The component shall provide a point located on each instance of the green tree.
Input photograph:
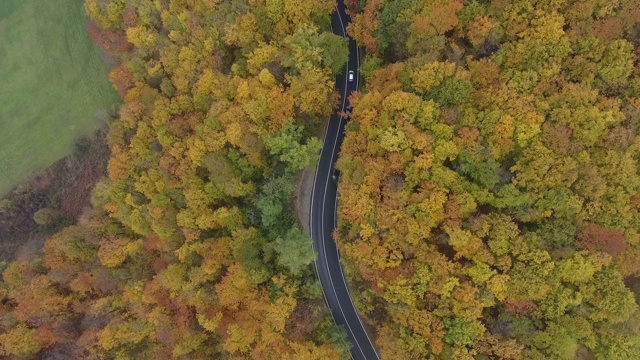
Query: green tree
(286, 144)
(294, 250)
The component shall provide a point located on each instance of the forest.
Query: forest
(488, 202)
(190, 249)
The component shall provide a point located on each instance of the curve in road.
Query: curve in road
(323, 209)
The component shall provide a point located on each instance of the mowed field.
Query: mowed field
(53, 84)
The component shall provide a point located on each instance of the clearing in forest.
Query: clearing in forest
(54, 84)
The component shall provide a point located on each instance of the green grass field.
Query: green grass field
(53, 83)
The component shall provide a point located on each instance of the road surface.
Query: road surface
(323, 209)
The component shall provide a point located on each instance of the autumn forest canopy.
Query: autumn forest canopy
(488, 203)
(190, 250)
(489, 196)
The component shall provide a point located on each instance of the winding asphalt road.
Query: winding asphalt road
(323, 209)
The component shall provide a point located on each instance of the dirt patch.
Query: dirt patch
(64, 187)
(76, 198)
(303, 196)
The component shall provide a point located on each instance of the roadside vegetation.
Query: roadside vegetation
(489, 196)
(54, 85)
(191, 249)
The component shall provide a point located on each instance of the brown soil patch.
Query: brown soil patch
(77, 197)
(303, 196)
(65, 186)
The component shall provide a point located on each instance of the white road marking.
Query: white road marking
(322, 234)
(336, 226)
(324, 248)
(336, 201)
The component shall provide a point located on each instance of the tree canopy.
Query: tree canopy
(191, 250)
(488, 202)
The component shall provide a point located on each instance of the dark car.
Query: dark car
(336, 174)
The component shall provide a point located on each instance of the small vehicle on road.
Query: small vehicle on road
(351, 75)
(336, 175)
